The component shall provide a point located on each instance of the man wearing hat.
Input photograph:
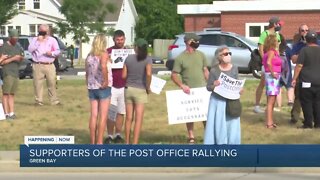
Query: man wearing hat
(13, 55)
(274, 27)
(191, 64)
(307, 71)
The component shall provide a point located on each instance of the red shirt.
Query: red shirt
(118, 82)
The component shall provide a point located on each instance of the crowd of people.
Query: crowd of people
(127, 88)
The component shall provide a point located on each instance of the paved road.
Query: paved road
(159, 176)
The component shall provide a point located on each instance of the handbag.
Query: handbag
(233, 107)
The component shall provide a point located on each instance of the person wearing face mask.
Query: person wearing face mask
(11, 56)
(191, 64)
(44, 50)
(274, 26)
(296, 107)
(221, 128)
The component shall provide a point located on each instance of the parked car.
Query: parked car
(240, 47)
(157, 60)
(63, 62)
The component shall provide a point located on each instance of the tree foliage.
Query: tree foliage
(159, 19)
(83, 17)
(8, 9)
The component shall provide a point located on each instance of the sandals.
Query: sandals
(191, 140)
(271, 126)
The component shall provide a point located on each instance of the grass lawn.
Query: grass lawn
(72, 119)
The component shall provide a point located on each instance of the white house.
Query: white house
(32, 13)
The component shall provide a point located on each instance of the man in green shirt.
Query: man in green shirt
(13, 54)
(274, 27)
(191, 64)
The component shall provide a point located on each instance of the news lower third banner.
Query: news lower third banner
(70, 155)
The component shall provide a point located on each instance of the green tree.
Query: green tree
(8, 9)
(159, 19)
(83, 17)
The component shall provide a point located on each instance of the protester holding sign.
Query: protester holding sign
(137, 72)
(191, 64)
(272, 64)
(99, 82)
(117, 91)
(221, 128)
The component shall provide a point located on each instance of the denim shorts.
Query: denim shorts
(97, 94)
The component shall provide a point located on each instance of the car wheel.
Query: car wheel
(22, 76)
(256, 73)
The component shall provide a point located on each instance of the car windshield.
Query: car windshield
(246, 40)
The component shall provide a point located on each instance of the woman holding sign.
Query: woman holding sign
(137, 71)
(272, 64)
(221, 128)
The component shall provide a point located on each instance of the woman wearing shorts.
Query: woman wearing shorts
(137, 71)
(272, 64)
(99, 82)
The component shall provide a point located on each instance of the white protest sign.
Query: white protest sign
(48, 140)
(118, 56)
(183, 108)
(2, 116)
(229, 87)
(112, 113)
(157, 84)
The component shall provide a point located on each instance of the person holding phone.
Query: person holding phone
(44, 50)
(11, 56)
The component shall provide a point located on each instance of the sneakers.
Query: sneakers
(257, 109)
(277, 109)
(118, 139)
(12, 117)
(56, 103)
(38, 104)
(108, 140)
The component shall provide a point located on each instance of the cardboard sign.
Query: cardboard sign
(2, 116)
(229, 87)
(157, 84)
(183, 108)
(118, 56)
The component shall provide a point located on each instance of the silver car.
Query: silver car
(240, 47)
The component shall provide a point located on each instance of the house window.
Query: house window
(9, 28)
(32, 30)
(36, 4)
(253, 30)
(22, 4)
(2, 30)
(18, 28)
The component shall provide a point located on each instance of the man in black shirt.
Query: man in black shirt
(307, 70)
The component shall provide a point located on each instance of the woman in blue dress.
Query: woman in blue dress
(221, 128)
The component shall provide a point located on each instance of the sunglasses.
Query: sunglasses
(226, 54)
(304, 30)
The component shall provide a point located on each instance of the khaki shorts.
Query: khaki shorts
(135, 95)
(10, 84)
